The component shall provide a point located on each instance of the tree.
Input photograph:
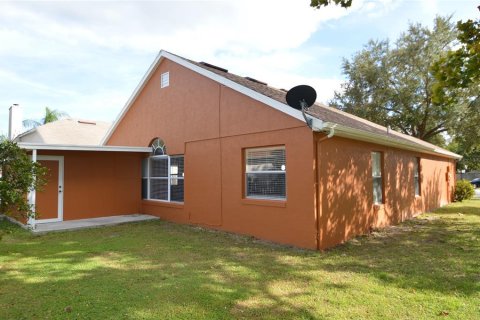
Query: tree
(18, 176)
(458, 81)
(460, 68)
(51, 115)
(319, 3)
(392, 84)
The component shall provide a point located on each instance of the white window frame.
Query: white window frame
(245, 176)
(416, 177)
(165, 79)
(378, 176)
(168, 178)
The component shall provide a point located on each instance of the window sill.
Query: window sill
(378, 206)
(160, 203)
(264, 202)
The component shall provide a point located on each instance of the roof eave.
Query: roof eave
(361, 135)
(66, 147)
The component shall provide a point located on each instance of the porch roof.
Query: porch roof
(65, 147)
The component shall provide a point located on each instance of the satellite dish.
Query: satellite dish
(301, 97)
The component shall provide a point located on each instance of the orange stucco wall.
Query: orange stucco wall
(212, 125)
(99, 184)
(346, 198)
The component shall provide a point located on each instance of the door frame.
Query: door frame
(60, 160)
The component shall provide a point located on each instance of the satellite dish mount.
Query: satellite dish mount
(301, 98)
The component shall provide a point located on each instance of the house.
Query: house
(197, 144)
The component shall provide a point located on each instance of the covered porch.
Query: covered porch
(87, 186)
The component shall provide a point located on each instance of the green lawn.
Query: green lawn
(424, 269)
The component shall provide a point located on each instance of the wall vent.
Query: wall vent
(165, 80)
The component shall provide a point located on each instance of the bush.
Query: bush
(463, 190)
(18, 176)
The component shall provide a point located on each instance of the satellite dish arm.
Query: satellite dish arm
(304, 106)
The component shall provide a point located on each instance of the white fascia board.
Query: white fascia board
(448, 154)
(204, 72)
(64, 147)
(355, 134)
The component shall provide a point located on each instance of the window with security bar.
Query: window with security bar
(265, 173)
(163, 178)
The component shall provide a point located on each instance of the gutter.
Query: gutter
(357, 134)
(66, 147)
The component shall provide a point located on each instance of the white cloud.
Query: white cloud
(86, 58)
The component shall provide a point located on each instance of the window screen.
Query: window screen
(416, 176)
(159, 178)
(265, 173)
(377, 177)
(145, 178)
(162, 178)
(176, 178)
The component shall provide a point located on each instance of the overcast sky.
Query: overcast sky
(86, 58)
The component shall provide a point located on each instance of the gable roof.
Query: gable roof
(341, 123)
(66, 132)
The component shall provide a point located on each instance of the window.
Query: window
(162, 178)
(176, 179)
(165, 80)
(162, 175)
(158, 147)
(416, 176)
(265, 173)
(377, 177)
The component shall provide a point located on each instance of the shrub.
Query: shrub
(463, 190)
(18, 176)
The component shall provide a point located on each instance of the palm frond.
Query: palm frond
(30, 123)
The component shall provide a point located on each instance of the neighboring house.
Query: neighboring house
(196, 144)
(68, 132)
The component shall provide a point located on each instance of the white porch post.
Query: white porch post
(32, 194)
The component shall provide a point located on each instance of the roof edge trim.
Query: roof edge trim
(356, 134)
(66, 147)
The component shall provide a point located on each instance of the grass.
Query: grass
(426, 268)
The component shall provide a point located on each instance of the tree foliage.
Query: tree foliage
(319, 3)
(19, 175)
(51, 115)
(392, 84)
(458, 81)
(460, 68)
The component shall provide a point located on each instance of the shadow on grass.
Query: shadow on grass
(160, 270)
(174, 272)
(435, 252)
